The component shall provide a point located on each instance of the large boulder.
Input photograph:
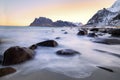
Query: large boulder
(110, 41)
(16, 55)
(48, 43)
(115, 32)
(6, 71)
(67, 52)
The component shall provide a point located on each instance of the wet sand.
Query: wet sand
(44, 74)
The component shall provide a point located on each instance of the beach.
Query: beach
(47, 65)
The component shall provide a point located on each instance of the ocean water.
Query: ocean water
(79, 66)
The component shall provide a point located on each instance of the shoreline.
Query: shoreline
(44, 74)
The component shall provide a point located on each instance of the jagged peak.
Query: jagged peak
(115, 7)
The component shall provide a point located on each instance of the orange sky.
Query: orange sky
(22, 14)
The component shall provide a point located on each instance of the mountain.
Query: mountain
(43, 21)
(107, 17)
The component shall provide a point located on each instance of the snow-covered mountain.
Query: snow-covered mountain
(115, 7)
(107, 17)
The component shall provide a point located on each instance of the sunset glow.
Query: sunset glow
(23, 12)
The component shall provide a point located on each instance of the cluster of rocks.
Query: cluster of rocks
(16, 55)
(83, 32)
(95, 33)
(42, 21)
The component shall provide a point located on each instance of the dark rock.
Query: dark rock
(115, 32)
(94, 29)
(65, 32)
(6, 71)
(57, 38)
(62, 30)
(48, 43)
(67, 52)
(1, 59)
(107, 69)
(92, 35)
(81, 33)
(16, 55)
(109, 41)
(33, 47)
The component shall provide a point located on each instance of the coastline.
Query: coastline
(44, 74)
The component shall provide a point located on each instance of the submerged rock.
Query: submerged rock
(16, 55)
(104, 68)
(110, 41)
(57, 38)
(67, 52)
(65, 32)
(48, 43)
(6, 71)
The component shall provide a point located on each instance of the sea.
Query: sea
(78, 66)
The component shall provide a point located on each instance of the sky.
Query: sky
(23, 12)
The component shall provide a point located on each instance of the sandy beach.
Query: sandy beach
(44, 74)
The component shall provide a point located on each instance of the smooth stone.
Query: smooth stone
(67, 52)
(6, 71)
(16, 55)
(48, 43)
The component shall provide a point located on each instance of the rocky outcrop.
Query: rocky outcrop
(106, 17)
(48, 43)
(42, 21)
(67, 52)
(16, 55)
(102, 18)
(6, 71)
(115, 32)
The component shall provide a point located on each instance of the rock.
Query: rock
(57, 38)
(16, 55)
(110, 41)
(81, 33)
(33, 47)
(67, 52)
(94, 29)
(48, 43)
(65, 32)
(92, 35)
(115, 32)
(1, 59)
(6, 71)
(104, 68)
